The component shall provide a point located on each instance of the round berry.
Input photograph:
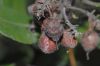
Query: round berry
(46, 45)
(89, 40)
(68, 40)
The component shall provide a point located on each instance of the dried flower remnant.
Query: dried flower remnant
(53, 28)
(36, 8)
(32, 9)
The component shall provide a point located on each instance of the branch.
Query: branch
(73, 27)
(89, 14)
(88, 2)
(43, 7)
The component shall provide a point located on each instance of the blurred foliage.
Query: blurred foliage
(14, 21)
(9, 65)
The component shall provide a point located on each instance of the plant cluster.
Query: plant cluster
(56, 28)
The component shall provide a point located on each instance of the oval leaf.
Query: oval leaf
(14, 21)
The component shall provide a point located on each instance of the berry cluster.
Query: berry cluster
(53, 18)
(51, 21)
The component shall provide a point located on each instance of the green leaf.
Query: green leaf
(98, 44)
(82, 29)
(64, 60)
(63, 57)
(14, 21)
(8, 65)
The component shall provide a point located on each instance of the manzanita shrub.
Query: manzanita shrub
(56, 28)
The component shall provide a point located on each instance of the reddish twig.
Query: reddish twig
(72, 57)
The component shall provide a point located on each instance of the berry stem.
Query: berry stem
(73, 27)
(85, 12)
(72, 57)
(87, 55)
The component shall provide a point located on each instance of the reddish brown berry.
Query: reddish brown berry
(68, 40)
(53, 28)
(89, 41)
(46, 45)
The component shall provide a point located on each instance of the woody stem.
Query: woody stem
(72, 57)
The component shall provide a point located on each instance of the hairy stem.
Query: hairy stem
(73, 27)
(85, 12)
(88, 14)
(88, 2)
(72, 57)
